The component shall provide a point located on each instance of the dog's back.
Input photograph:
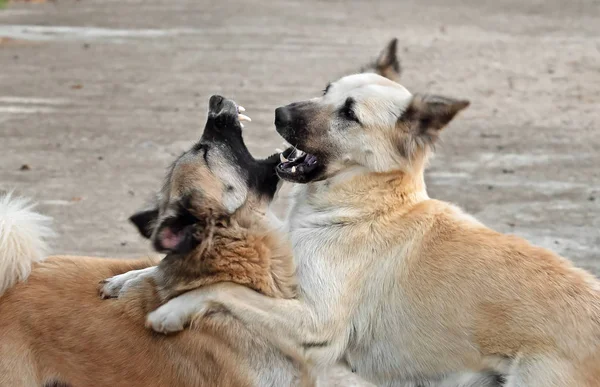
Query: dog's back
(56, 329)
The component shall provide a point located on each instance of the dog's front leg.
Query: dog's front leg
(290, 320)
(237, 300)
(115, 286)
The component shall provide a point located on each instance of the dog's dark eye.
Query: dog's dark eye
(347, 111)
(326, 88)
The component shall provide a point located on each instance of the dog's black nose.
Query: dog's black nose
(282, 116)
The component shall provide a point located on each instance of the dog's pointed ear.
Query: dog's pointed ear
(428, 114)
(145, 221)
(387, 64)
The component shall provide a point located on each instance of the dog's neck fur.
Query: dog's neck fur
(256, 219)
(397, 191)
(245, 250)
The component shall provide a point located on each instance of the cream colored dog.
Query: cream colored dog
(403, 287)
(54, 330)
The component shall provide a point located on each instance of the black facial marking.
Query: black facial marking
(197, 147)
(224, 130)
(327, 88)
(347, 111)
(293, 123)
(263, 177)
(222, 133)
(499, 380)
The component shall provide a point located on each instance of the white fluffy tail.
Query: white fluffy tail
(24, 236)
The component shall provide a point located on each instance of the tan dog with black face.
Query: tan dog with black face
(212, 221)
(212, 217)
(403, 287)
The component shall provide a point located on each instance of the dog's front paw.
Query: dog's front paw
(109, 288)
(178, 312)
(165, 321)
(114, 286)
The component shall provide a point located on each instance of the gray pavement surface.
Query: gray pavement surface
(98, 96)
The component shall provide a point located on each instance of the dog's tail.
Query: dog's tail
(24, 235)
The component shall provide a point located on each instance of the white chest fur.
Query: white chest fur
(352, 281)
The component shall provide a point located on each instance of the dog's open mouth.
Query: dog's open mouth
(299, 166)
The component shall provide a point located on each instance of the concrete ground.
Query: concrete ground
(98, 96)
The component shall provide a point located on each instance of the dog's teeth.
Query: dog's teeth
(243, 117)
(278, 150)
(299, 153)
(282, 158)
(294, 169)
(241, 109)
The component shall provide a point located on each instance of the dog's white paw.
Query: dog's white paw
(114, 286)
(167, 319)
(178, 312)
